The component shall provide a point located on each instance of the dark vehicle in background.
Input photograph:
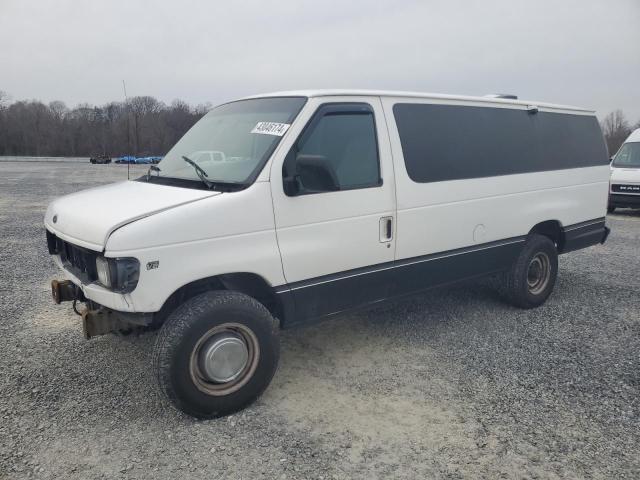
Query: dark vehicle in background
(100, 159)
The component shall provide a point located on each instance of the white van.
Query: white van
(313, 203)
(624, 189)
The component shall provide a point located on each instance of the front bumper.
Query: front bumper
(97, 319)
(624, 200)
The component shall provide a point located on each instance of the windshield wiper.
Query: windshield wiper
(213, 184)
(202, 175)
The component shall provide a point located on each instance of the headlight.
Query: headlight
(104, 273)
(118, 274)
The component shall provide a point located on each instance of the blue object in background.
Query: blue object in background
(138, 160)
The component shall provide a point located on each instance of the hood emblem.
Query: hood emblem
(55, 218)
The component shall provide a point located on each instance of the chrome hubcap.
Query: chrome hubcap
(223, 357)
(538, 273)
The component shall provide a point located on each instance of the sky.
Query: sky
(576, 52)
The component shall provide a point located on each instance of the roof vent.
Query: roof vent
(508, 96)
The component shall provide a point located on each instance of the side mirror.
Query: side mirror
(314, 174)
(611, 159)
(291, 186)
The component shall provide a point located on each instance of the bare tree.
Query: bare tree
(616, 129)
(203, 108)
(58, 109)
(141, 109)
(3, 128)
(4, 99)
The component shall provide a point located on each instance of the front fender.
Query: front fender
(228, 233)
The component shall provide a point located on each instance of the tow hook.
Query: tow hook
(65, 291)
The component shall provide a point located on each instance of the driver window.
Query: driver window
(337, 151)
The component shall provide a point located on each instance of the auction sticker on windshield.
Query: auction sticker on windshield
(270, 128)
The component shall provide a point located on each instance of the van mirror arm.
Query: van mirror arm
(292, 185)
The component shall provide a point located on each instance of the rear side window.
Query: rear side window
(449, 142)
(342, 137)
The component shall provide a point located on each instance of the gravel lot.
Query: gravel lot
(448, 384)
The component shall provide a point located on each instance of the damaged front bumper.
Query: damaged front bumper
(98, 319)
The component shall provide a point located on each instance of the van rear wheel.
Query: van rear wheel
(532, 277)
(216, 353)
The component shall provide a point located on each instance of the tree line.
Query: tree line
(140, 126)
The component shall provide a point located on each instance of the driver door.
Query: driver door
(334, 204)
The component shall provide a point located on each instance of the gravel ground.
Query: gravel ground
(448, 384)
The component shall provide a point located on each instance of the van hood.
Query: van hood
(625, 175)
(87, 218)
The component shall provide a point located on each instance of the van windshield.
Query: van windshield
(232, 142)
(628, 156)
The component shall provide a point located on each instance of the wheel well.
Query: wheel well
(248, 283)
(552, 230)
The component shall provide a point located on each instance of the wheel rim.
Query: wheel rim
(224, 359)
(538, 273)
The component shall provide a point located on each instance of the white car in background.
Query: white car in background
(624, 185)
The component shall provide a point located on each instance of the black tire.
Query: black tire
(177, 345)
(611, 209)
(522, 287)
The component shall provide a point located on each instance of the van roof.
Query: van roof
(634, 137)
(435, 96)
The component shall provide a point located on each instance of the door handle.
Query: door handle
(386, 229)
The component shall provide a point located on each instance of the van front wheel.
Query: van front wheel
(532, 277)
(216, 353)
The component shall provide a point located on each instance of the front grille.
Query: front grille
(79, 261)
(621, 188)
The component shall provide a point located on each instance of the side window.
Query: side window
(453, 142)
(337, 151)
